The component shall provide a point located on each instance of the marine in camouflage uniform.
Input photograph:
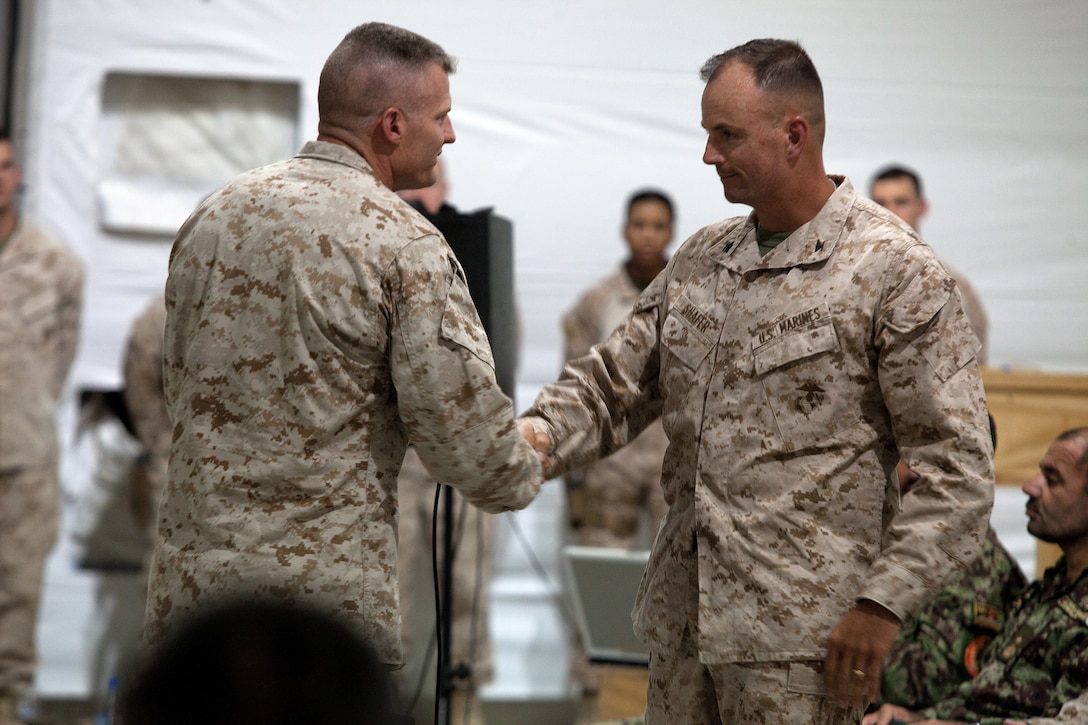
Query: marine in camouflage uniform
(941, 646)
(315, 325)
(146, 404)
(788, 384)
(616, 490)
(41, 287)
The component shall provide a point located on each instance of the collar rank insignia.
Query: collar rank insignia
(1073, 610)
(1023, 636)
(986, 616)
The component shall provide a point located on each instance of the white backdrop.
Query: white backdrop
(563, 107)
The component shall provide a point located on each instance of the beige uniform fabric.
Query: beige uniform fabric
(788, 386)
(618, 489)
(315, 325)
(146, 403)
(41, 286)
(976, 314)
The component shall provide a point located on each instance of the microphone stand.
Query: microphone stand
(447, 673)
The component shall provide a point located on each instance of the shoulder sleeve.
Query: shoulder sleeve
(460, 421)
(932, 389)
(606, 398)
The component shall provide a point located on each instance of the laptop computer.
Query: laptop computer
(603, 583)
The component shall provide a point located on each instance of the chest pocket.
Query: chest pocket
(798, 370)
(682, 338)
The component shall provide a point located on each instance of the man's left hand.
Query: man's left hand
(856, 651)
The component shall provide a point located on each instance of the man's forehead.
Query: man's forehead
(899, 188)
(1064, 454)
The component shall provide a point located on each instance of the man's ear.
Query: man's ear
(796, 136)
(392, 125)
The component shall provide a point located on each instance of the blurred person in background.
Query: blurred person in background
(41, 288)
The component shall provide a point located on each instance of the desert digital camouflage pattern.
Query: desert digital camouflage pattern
(941, 646)
(41, 287)
(616, 489)
(315, 324)
(788, 386)
(1038, 661)
(976, 313)
(144, 397)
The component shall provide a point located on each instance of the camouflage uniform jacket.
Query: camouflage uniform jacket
(1036, 663)
(784, 383)
(315, 324)
(41, 288)
(596, 313)
(940, 646)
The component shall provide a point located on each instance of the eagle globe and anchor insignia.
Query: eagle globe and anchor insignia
(812, 396)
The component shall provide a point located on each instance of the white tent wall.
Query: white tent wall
(562, 108)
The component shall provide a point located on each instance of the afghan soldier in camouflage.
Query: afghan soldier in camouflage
(941, 645)
(315, 325)
(1038, 662)
(793, 356)
(41, 288)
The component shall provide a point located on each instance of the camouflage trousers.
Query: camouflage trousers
(473, 538)
(29, 502)
(684, 691)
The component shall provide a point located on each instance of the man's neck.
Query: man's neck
(798, 205)
(643, 274)
(1076, 559)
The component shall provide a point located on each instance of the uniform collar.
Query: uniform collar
(810, 243)
(336, 153)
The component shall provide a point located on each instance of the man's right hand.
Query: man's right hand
(541, 443)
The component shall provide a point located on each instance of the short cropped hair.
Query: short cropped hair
(1081, 436)
(896, 171)
(780, 67)
(650, 195)
(375, 67)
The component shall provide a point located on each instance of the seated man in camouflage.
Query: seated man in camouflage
(939, 647)
(1039, 659)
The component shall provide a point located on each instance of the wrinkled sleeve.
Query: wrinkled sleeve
(1073, 712)
(459, 420)
(607, 397)
(932, 388)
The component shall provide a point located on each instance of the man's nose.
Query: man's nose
(1033, 486)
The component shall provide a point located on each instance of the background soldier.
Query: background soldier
(41, 287)
(1039, 659)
